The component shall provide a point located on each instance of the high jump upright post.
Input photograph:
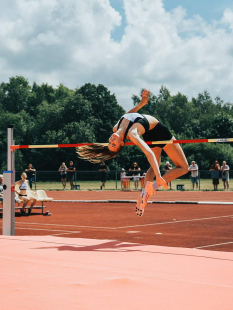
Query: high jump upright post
(9, 188)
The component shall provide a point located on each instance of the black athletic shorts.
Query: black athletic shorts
(71, 176)
(159, 133)
(63, 176)
(103, 176)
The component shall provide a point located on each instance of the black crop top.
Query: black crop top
(133, 119)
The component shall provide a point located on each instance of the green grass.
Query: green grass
(205, 184)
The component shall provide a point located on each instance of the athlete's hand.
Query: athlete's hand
(161, 182)
(145, 97)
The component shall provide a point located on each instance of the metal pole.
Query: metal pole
(199, 174)
(9, 187)
(35, 180)
(116, 179)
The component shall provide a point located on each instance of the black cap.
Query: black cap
(10, 126)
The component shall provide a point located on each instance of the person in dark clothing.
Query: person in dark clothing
(215, 168)
(103, 176)
(30, 174)
(70, 173)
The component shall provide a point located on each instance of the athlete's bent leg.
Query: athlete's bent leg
(141, 203)
(176, 154)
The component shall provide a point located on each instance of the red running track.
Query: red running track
(178, 225)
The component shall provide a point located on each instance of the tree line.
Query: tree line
(43, 114)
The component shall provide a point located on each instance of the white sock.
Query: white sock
(155, 186)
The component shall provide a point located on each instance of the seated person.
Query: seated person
(1, 191)
(23, 194)
(17, 199)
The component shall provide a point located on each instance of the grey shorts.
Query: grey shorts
(194, 180)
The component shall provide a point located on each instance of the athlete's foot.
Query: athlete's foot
(139, 211)
(149, 191)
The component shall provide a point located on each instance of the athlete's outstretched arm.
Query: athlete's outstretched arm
(142, 103)
(135, 138)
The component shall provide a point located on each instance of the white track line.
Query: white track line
(65, 231)
(174, 222)
(60, 234)
(150, 202)
(132, 226)
(212, 245)
(62, 225)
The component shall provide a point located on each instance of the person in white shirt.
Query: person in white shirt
(194, 173)
(122, 176)
(225, 175)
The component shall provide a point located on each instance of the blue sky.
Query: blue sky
(207, 9)
(186, 46)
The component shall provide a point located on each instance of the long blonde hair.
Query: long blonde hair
(96, 153)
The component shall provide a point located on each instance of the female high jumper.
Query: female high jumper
(131, 126)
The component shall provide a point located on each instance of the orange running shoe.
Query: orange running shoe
(138, 205)
(149, 191)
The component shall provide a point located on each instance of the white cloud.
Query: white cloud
(69, 42)
(228, 18)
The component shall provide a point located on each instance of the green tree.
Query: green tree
(15, 95)
(105, 109)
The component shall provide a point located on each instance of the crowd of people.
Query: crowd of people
(134, 172)
(216, 170)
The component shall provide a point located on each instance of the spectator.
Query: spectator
(225, 175)
(1, 191)
(143, 180)
(166, 168)
(103, 176)
(23, 194)
(17, 199)
(215, 174)
(71, 169)
(194, 174)
(135, 175)
(122, 175)
(31, 174)
(1, 187)
(63, 173)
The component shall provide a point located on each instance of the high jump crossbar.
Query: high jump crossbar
(48, 146)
